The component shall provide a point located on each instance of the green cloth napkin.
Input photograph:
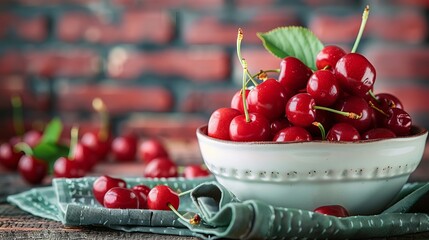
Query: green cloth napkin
(223, 216)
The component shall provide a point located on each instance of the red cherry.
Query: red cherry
(268, 99)
(101, 147)
(356, 105)
(218, 125)
(388, 101)
(278, 125)
(294, 74)
(237, 100)
(342, 132)
(257, 129)
(355, 74)
(323, 87)
(84, 156)
(32, 138)
(151, 149)
(399, 121)
(378, 133)
(66, 168)
(103, 184)
(124, 148)
(195, 171)
(293, 134)
(141, 191)
(329, 56)
(162, 167)
(333, 210)
(9, 157)
(160, 196)
(122, 198)
(33, 170)
(300, 110)
(325, 118)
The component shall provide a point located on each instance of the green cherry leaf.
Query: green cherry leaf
(293, 41)
(50, 152)
(52, 131)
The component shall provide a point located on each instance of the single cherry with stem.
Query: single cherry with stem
(237, 100)
(150, 149)
(399, 121)
(9, 156)
(124, 148)
(32, 169)
(355, 104)
(328, 57)
(219, 121)
(141, 191)
(103, 184)
(121, 198)
(294, 74)
(162, 167)
(323, 87)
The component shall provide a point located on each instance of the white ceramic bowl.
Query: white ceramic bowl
(362, 176)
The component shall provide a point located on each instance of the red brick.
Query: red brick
(33, 29)
(7, 22)
(242, 4)
(198, 64)
(332, 29)
(11, 62)
(417, 3)
(118, 99)
(402, 26)
(45, 3)
(413, 97)
(71, 26)
(399, 62)
(170, 4)
(207, 101)
(176, 126)
(210, 29)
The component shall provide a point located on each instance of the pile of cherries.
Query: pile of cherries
(336, 102)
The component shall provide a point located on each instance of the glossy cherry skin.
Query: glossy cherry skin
(195, 171)
(333, 210)
(9, 158)
(101, 147)
(378, 133)
(399, 121)
(160, 196)
(257, 129)
(269, 99)
(342, 132)
(32, 137)
(278, 125)
(323, 87)
(120, 197)
(355, 74)
(219, 121)
(293, 134)
(84, 156)
(294, 74)
(124, 148)
(356, 105)
(150, 149)
(141, 191)
(329, 56)
(387, 100)
(325, 118)
(300, 111)
(237, 100)
(103, 184)
(66, 168)
(33, 170)
(162, 167)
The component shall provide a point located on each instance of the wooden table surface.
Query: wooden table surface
(18, 224)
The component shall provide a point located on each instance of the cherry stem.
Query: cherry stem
(18, 122)
(321, 128)
(371, 93)
(346, 114)
(377, 109)
(264, 73)
(23, 147)
(243, 91)
(74, 134)
(240, 36)
(101, 108)
(194, 221)
(185, 192)
(362, 27)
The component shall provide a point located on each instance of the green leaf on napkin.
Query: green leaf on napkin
(293, 41)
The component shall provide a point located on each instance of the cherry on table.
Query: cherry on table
(141, 191)
(100, 147)
(33, 170)
(103, 183)
(9, 157)
(333, 210)
(293, 134)
(121, 197)
(195, 171)
(68, 168)
(150, 149)
(343, 132)
(256, 129)
(162, 167)
(84, 156)
(294, 74)
(328, 57)
(219, 121)
(124, 148)
(161, 196)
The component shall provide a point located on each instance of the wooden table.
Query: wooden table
(18, 224)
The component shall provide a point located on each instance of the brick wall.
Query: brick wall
(162, 66)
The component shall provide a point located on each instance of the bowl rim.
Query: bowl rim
(417, 132)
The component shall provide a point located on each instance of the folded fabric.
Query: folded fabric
(223, 216)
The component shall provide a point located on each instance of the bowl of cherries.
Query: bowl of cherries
(314, 136)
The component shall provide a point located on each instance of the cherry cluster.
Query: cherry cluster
(335, 102)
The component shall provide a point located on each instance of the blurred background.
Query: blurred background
(162, 66)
